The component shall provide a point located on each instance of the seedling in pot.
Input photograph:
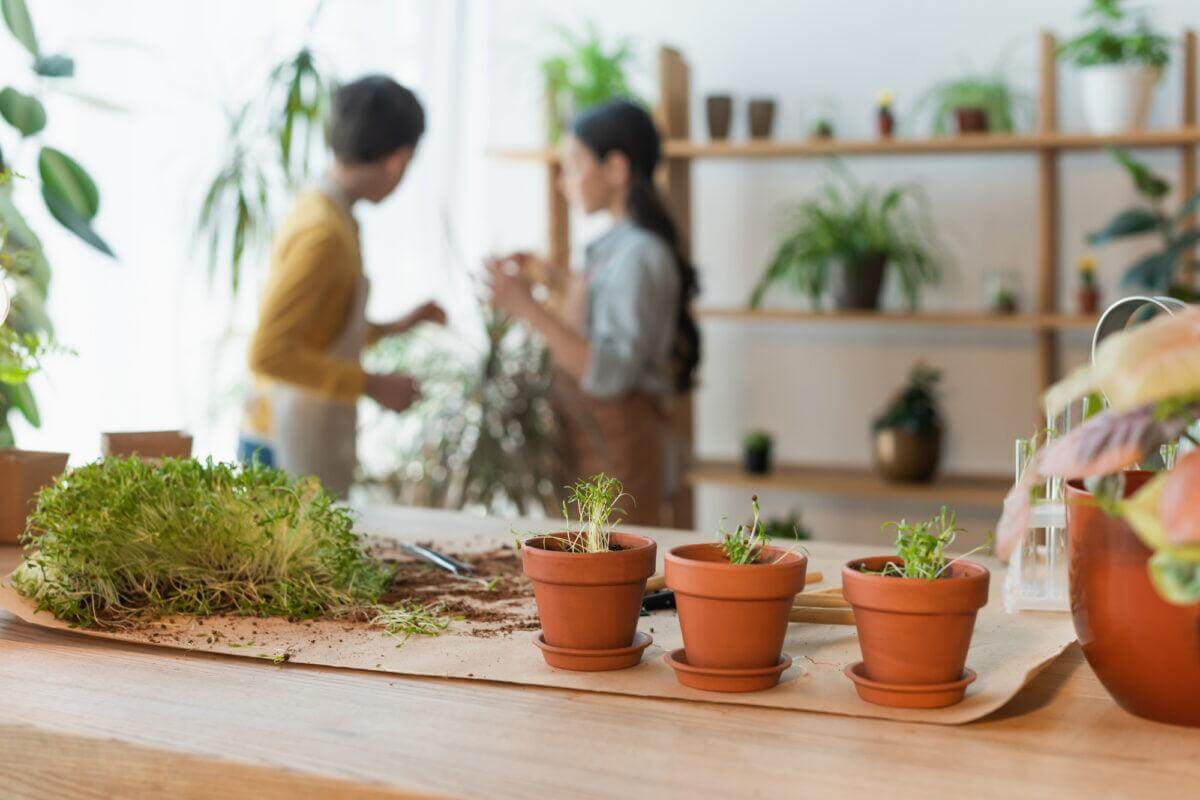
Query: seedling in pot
(745, 544)
(922, 546)
(596, 502)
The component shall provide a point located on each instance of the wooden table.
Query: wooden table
(80, 717)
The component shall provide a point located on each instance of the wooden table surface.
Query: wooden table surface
(80, 717)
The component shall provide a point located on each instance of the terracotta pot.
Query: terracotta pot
(1087, 298)
(718, 108)
(147, 444)
(856, 287)
(906, 457)
(914, 631)
(23, 473)
(589, 601)
(762, 118)
(733, 616)
(1144, 650)
(757, 460)
(886, 122)
(971, 120)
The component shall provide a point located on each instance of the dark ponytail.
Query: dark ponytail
(620, 126)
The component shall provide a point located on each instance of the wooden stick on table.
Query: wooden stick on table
(657, 583)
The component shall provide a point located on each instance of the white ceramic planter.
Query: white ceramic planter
(1116, 97)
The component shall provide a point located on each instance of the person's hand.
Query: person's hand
(429, 312)
(510, 290)
(392, 390)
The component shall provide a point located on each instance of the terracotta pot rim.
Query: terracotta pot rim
(789, 559)
(1076, 484)
(19, 454)
(972, 571)
(636, 541)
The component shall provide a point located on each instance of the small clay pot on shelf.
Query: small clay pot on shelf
(762, 118)
(1087, 299)
(886, 122)
(971, 120)
(718, 110)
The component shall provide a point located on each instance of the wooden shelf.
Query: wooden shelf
(976, 143)
(966, 491)
(1021, 322)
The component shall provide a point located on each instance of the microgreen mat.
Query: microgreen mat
(122, 542)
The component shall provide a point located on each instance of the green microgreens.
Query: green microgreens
(922, 546)
(595, 500)
(745, 543)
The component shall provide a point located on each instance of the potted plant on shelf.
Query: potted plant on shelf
(822, 128)
(1120, 60)
(588, 582)
(1087, 295)
(885, 120)
(908, 432)
(915, 614)
(846, 237)
(734, 597)
(756, 452)
(976, 104)
(789, 527)
(1158, 271)
(583, 74)
(1133, 535)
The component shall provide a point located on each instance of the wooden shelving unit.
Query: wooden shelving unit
(862, 484)
(931, 319)
(1045, 321)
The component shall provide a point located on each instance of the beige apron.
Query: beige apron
(623, 437)
(311, 435)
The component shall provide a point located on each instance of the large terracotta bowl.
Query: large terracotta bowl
(1145, 650)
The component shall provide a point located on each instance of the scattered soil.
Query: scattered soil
(497, 602)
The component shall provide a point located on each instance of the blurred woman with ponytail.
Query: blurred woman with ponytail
(626, 341)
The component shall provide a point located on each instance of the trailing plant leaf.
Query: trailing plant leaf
(16, 17)
(1145, 180)
(1004, 106)
(1130, 222)
(54, 66)
(23, 112)
(123, 542)
(67, 215)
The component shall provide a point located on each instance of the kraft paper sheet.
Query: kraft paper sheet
(1007, 650)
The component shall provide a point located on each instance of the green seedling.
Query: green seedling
(744, 545)
(922, 546)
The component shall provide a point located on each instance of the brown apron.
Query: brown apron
(624, 437)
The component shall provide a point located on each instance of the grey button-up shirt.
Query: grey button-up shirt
(632, 305)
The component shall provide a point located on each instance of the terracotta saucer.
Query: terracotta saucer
(725, 680)
(898, 695)
(580, 660)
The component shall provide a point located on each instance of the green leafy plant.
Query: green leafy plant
(1159, 270)
(849, 225)
(757, 440)
(69, 194)
(582, 75)
(484, 433)
(1003, 105)
(915, 407)
(596, 501)
(922, 547)
(745, 543)
(121, 542)
(271, 138)
(1116, 37)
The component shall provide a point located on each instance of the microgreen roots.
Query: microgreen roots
(745, 544)
(122, 541)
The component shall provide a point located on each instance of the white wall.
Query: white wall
(817, 387)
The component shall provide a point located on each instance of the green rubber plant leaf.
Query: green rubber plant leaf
(71, 196)
(24, 112)
(55, 66)
(1144, 179)
(1130, 222)
(21, 398)
(16, 17)
(62, 210)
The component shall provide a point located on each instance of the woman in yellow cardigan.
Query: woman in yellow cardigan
(312, 328)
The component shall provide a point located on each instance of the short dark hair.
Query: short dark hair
(373, 117)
